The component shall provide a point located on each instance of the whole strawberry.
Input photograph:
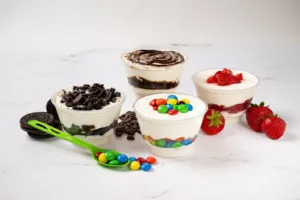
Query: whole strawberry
(255, 115)
(213, 122)
(274, 127)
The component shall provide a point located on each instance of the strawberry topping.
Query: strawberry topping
(225, 77)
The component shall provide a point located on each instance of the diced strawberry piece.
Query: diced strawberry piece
(227, 71)
(218, 72)
(239, 76)
(211, 79)
(222, 79)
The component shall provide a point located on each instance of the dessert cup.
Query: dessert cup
(169, 135)
(93, 126)
(232, 100)
(153, 71)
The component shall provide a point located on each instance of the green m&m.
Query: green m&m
(175, 107)
(183, 108)
(161, 143)
(162, 109)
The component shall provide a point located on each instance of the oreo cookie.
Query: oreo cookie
(40, 116)
(51, 109)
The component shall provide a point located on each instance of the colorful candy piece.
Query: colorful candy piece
(98, 154)
(186, 142)
(175, 107)
(110, 155)
(172, 101)
(141, 160)
(176, 144)
(102, 158)
(183, 108)
(151, 160)
(169, 106)
(161, 143)
(179, 139)
(172, 112)
(153, 102)
(161, 101)
(190, 107)
(122, 158)
(146, 167)
(162, 109)
(155, 107)
(185, 101)
(114, 162)
(172, 97)
(135, 165)
(181, 102)
(153, 142)
(169, 144)
(132, 159)
(168, 139)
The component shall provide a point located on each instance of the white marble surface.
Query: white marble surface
(236, 164)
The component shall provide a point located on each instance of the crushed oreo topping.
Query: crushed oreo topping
(128, 125)
(88, 97)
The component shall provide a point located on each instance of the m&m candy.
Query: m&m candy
(172, 101)
(110, 155)
(172, 112)
(162, 109)
(141, 160)
(161, 102)
(161, 143)
(135, 165)
(151, 160)
(172, 97)
(190, 107)
(114, 162)
(176, 144)
(155, 107)
(153, 102)
(146, 167)
(98, 154)
(185, 101)
(175, 107)
(183, 108)
(132, 159)
(169, 106)
(122, 158)
(102, 158)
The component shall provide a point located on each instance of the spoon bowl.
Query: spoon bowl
(65, 136)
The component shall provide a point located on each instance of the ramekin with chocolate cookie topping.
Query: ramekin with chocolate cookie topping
(89, 112)
(151, 71)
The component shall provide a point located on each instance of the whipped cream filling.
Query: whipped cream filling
(142, 106)
(249, 80)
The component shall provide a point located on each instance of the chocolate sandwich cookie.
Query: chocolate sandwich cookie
(51, 109)
(40, 116)
(143, 83)
(128, 125)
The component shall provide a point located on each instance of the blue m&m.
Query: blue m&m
(172, 97)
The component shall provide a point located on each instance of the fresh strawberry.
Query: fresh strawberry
(274, 127)
(227, 71)
(239, 76)
(211, 79)
(255, 115)
(213, 122)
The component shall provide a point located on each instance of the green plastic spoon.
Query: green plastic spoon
(65, 136)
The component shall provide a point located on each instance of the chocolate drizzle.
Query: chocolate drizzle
(155, 58)
(143, 83)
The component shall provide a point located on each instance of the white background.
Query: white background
(75, 24)
(49, 45)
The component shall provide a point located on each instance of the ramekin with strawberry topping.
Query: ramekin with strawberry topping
(225, 90)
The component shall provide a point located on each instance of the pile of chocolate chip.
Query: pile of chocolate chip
(128, 125)
(88, 97)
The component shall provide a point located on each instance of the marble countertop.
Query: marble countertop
(235, 164)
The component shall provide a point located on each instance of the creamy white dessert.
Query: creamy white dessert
(169, 135)
(94, 126)
(154, 71)
(232, 100)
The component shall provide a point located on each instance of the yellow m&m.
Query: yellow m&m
(135, 165)
(185, 101)
(102, 158)
(172, 101)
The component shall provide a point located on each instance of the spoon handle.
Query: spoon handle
(60, 134)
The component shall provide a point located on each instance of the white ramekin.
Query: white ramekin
(106, 117)
(157, 126)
